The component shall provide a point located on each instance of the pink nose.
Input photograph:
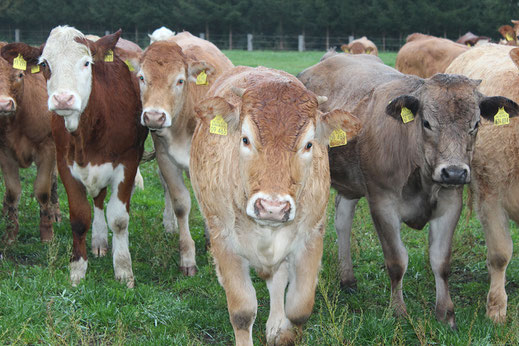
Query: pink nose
(7, 105)
(154, 120)
(63, 100)
(266, 209)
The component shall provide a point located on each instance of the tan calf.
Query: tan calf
(168, 72)
(25, 137)
(360, 46)
(259, 168)
(495, 171)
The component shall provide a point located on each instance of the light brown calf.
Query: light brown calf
(495, 172)
(425, 55)
(262, 183)
(168, 73)
(25, 137)
(360, 46)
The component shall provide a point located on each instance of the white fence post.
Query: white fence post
(249, 42)
(350, 38)
(16, 35)
(301, 43)
(202, 36)
(107, 32)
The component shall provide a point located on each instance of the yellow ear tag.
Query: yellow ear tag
(201, 79)
(129, 64)
(501, 117)
(346, 50)
(35, 69)
(218, 126)
(407, 115)
(338, 138)
(469, 45)
(19, 63)
(109, 56)
(509, 37)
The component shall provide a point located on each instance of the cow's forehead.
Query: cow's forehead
(163, 55)
(62, 45)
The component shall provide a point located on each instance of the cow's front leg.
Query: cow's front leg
(499, 253)
(181, 201)
(118, 220)
(13, 189)
(99, 228)
(234, 275)
(387, 223)
(278, 325)
(344, 213)
(169, 221)
(300, 297)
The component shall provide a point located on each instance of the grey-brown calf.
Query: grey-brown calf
(410, 172)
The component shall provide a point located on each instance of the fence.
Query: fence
(238, 41)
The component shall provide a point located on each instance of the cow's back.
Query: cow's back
(425, 55)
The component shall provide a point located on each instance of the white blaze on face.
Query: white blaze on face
(70, 82)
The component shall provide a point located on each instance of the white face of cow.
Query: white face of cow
(70, 81)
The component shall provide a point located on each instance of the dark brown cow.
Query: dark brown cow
(99, 141)
(25, 137)
(509, 35)
(411, 159)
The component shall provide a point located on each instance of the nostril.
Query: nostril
(146, 117)
(445, 174)
(163, 118)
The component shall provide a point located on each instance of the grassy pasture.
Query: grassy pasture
(39, 306)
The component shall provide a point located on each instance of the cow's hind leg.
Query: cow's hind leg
(99, 228)
(118, 220)
(344, 213)
(499, 252)
(233, 275)
(169, 220)
(54, 197)
(13, 189)
(42, 190)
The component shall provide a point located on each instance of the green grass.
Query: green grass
(39, 306)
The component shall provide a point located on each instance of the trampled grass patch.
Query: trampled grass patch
(39, 306)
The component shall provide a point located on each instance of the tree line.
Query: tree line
(375, 18)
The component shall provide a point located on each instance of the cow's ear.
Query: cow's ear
(131, 58)
(30, 54)
(102, 47)
(489, 107)
(210, 108)
(195, 67)
(403, 108)
(337, 122)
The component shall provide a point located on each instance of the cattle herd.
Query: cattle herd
(262, 149)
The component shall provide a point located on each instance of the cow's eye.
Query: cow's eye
(87, 63)
(141, 77)
(245, 140)
(308, 145)
(43, 64)
(426, 125)
(20, 75)
(180, 82)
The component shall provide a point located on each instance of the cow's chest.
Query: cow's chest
(97, 177)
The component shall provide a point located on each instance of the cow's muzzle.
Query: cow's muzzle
(452, 174)
(269, 209)
(7, 106)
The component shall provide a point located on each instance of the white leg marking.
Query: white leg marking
(99, 233)
(77, 271)
(277, 322)
(169, 220)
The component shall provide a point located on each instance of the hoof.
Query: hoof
(126, 279)
(78, 271)
(497, 313)
(349, 286)
(188, 271)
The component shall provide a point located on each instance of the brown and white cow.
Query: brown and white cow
(425, 55)
(262, 183)
(410, 160)
(168, 72)
(99, 140)
(509, 35)
(360, 46)
(495, 170)
(25, 137)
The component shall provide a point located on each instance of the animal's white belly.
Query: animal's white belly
(97, 177)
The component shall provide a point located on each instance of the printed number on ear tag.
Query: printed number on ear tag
(201, 79)
(19, 63)
(407, 115)
(501, 117)
(218, 126)
(109, 56)
(35, 69)
(129, 64)
(338, 138)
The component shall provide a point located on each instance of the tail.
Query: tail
(139, 180)
(148, 156)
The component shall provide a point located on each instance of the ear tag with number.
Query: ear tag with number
(218, 126)
(509, 37)
(407, 115)
(201, 79)
(129, 64)
(35, 69)
(338, 138)
(501, 117)
(109, 56)
(19, 63)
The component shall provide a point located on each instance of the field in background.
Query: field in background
(39, 306)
